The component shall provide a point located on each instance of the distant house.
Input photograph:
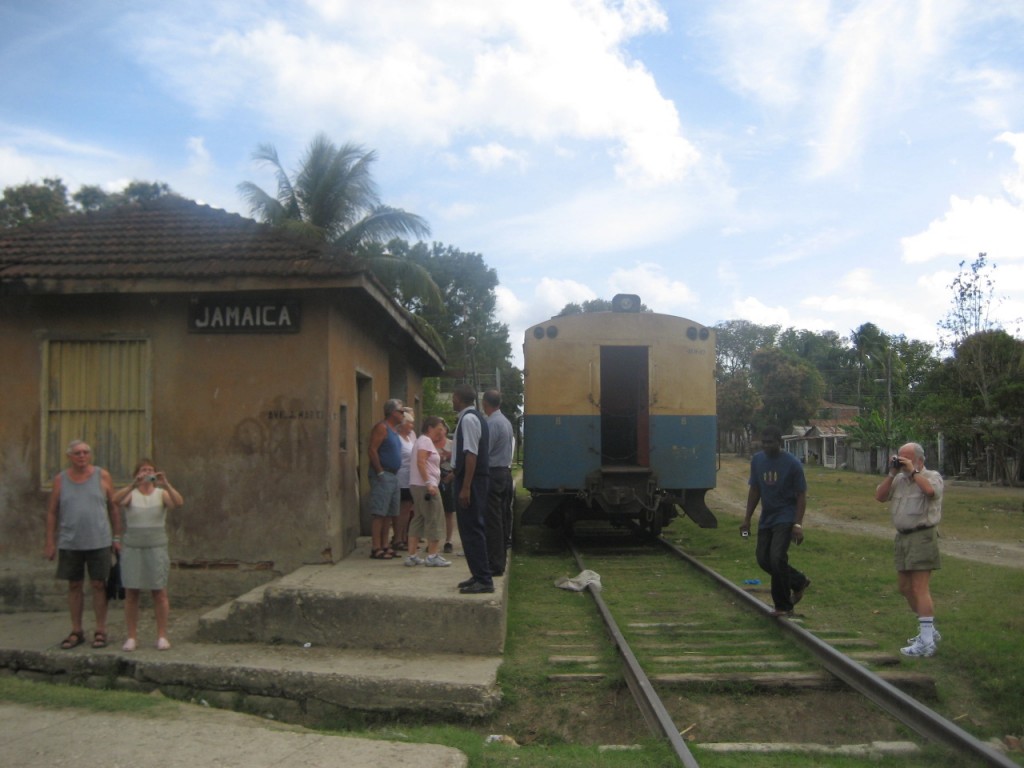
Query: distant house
(823, 440)
(240, 358)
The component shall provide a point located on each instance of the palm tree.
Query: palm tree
(333, 197)
(868, 351)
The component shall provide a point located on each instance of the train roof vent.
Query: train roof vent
(626, 302)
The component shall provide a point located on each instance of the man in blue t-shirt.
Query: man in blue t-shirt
(777, 482)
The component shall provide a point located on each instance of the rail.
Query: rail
(650, 705)
(904, 708)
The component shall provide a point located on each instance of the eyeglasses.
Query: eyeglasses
(80, 453)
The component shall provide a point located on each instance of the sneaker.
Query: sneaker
(436, 561)
(412, 560)
(919, 649)
(936, 637)
(129, 645)
(163, 644)
(447, 547)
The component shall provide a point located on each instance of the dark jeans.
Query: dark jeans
(498, 500)
(473, 529)
(773, 557)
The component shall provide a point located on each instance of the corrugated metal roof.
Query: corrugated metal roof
(170, 238)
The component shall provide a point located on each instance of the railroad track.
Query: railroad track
(791, 658)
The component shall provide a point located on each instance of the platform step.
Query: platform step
(365, 604)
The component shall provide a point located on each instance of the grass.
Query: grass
(978, 671)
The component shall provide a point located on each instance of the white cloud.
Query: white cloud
(654, 287)
(970, 227)
(429, 72)
(28, 155)
(834, 71)
(1013, 182)
(753, 309)
(768, 44)
(199, 163)
(992, 225)
(552, 294)
(534, 303)
(494, 156)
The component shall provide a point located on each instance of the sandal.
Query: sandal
(73, 640)
(389, 554)
(99, 639)
(382, 554)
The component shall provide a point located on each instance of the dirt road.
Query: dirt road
(730, 498)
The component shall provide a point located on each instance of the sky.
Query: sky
(811, 164)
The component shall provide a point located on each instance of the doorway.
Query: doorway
(625, 407)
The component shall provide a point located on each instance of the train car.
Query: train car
(620, 422)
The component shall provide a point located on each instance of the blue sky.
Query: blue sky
(812, 164)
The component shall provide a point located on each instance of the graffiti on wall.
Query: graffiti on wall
(280, 435)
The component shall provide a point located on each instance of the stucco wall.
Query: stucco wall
(249, 427)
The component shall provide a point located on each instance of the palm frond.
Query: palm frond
(412, 280)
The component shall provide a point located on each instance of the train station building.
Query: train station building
(243, 360)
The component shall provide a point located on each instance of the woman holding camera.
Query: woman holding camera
(145, 562)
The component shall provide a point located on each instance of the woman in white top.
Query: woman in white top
(424, 477)
(145, 562)
(405, 509)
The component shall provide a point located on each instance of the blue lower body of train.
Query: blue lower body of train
(564, 462)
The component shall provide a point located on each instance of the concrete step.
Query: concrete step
(361, 634)
(364, 604)
(289, 682)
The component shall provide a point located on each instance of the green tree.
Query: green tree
(973, 296)
(738, 403)
(791, 388)
(591, 305)
(33, 203)
(333, 197)
(870, 352)
(90, 197)
(738, 340)
(466, 318)
(827, 351)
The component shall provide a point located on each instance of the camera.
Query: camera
(151, 478)
(895, 462)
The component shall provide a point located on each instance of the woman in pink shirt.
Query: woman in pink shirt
(424, 477)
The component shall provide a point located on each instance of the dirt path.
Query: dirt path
(730, 498)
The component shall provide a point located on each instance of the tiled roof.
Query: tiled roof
(166, 238)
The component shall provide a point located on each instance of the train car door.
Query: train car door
(625, 407)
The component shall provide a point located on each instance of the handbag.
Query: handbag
(115, 589)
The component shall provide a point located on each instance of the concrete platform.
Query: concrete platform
(362, 634)
(361, 603)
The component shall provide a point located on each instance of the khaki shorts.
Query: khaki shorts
(428, 520)
(917, 550)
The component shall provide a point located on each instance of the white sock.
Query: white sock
(927, 629)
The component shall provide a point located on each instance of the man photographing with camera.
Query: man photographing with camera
(915, 503)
